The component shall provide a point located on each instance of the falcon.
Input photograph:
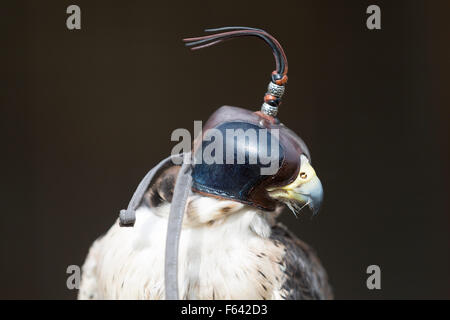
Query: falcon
(230, 245)
(228, 250)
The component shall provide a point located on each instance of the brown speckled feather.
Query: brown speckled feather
(304, 277)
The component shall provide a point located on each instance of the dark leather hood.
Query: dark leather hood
(245, 182)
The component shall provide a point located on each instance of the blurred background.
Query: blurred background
(85, 114)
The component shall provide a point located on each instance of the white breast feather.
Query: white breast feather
(220, 261)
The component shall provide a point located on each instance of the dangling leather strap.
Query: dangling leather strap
(127, 217)
(181, 193)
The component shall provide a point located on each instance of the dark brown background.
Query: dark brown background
(86, 113)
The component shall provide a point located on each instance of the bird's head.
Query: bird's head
(305, 190)
(294, 182)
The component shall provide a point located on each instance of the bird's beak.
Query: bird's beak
(306, 190)
(310, 194)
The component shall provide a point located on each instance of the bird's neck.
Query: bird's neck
(221, 216)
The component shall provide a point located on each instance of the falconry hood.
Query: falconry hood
(258, 153)
(239, 156)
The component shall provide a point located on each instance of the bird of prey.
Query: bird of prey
(230, 244)
(228, 250)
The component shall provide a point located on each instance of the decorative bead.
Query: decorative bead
(269, 110)
(275, 89)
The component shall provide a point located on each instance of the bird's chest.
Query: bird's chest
(214, 263)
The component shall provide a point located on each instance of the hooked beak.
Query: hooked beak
(309, 194)
(306, 190)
